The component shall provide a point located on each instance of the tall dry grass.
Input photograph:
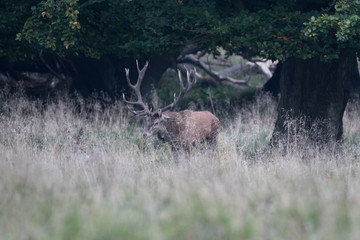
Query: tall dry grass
(112, 184)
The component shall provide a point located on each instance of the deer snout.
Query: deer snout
(146, 135)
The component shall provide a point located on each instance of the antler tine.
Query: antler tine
(128, 78)
(183, 89)
(136, 88)
(190, 83)
(141, 73)
(181, 80)
(138, 113)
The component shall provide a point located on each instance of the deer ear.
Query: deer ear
(164, 117)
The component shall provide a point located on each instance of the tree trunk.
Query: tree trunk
(313, 98)
(157, 66)
(273, 84)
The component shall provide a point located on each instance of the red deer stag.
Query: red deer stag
(182, 130)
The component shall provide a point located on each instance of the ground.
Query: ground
(114, 185)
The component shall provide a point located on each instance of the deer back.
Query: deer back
(188, 127)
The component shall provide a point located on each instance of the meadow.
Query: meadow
(111, 184)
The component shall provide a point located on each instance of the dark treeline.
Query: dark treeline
(85, 46)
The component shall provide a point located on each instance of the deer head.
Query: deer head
(156, 119)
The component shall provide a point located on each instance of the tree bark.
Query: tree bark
(273, 84)
(313, 98)
(157, 66)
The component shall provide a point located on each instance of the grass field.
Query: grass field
(114, 185)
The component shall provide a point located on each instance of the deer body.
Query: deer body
(182, 130)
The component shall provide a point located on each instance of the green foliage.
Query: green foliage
(126, 28)
(53, 25)
(339, 27)
(13, 14)
(147, 27)
(286, 30)
(142, 28)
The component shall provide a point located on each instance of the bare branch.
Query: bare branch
(215, 75)
(264, 67)
(48, 66)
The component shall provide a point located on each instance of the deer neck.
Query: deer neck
(170, 131)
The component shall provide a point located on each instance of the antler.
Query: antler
(183, 89)
(136, 88)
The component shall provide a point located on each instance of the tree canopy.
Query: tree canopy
(295, 29)
(125, 28)
(274, 29)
